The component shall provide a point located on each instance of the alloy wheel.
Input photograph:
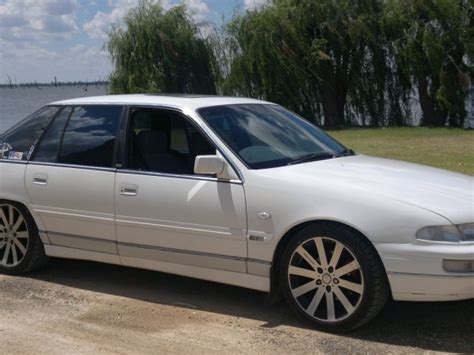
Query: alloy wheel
(14, 236)
(325, 279)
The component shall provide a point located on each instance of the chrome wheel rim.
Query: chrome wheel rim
(325, 279)
(14, 236)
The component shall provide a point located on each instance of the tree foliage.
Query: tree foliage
(356, 61)
(431, 44)
(337, 62)
(268, 60)
(161, 51)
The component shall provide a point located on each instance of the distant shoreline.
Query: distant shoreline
(55, 84)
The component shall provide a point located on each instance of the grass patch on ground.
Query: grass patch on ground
(446, 148)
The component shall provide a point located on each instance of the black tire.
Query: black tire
(370, 273)
(35, 257)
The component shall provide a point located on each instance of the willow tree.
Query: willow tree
(311, 56)
(431, 40)
(268, 60)
(161, 51)
(346, 55)
(374, 94)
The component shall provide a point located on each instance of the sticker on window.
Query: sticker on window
(15, 155)
(4, 148)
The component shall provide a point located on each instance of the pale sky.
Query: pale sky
(41, 39)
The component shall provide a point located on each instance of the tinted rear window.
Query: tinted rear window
(48, 148)
(90, 136)
(18, 142)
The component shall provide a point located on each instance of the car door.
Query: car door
(70, 178)
(166, 214)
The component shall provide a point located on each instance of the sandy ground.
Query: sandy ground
(81, 307)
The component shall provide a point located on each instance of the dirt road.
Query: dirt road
(80, 307)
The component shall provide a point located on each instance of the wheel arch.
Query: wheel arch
(286, 238)
(34, 256)
(34, 218)
(21, 203)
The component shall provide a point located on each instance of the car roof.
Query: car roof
(193, 102)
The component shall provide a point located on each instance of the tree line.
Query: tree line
(336, 62)
(55, 83)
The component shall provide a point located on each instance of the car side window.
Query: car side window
(165, 142)
(90, 135)
(48, 148)
(19, 142)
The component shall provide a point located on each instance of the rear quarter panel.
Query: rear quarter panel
(12, 186)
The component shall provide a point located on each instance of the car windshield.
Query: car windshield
(268, 136)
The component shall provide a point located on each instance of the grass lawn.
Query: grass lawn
(445, 148)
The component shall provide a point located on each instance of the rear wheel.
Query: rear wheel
(333, 277)
(21, 249)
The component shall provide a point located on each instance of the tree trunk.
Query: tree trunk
(333, 107)
(432, 116)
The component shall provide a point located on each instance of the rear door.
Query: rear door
(70, 178)
(165, 213)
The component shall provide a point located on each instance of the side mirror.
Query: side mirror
(209, 165)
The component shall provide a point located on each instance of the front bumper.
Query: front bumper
(415, 271)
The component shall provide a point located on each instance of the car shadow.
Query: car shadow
(447, 327)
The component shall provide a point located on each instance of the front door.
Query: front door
(167, 215)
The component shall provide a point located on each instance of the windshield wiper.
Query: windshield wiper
(311, 157)
(345, 153)
(320, 156)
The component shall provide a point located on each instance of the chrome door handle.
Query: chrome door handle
(129, 190)
(40, 179)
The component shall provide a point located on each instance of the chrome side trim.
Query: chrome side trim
(188, 228)
(83, 243)
(457, 275)
(259, 261)
(156, 253)
(13, 161)
(195, 258)
(78, 254)
(202, 260)
(126, 171)
(82, 167)
(74, 214)
(187, 177)
(181, 251)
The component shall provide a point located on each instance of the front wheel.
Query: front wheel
(333, 277)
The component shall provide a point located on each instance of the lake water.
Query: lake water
(17, 103)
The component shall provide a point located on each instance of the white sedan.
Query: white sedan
(237, 191)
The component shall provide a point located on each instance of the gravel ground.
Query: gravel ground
(81, 307)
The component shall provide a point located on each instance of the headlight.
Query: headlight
(440, 234)
(450, 233)
(467, 231)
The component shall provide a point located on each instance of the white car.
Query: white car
(237, 191)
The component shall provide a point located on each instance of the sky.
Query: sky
(41, 39)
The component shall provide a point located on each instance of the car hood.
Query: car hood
(440, 191)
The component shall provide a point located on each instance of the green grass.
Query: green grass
(446, 148)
